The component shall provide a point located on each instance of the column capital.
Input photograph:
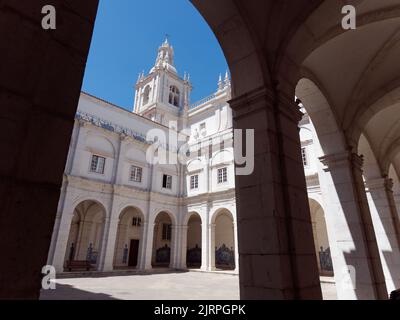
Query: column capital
(264, 98)
(379, 183)
(123, 137)
(342, 159)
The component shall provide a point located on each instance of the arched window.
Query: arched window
(174, 96)
(146, 95)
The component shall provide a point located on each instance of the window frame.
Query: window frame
(146, 95)
(194, 182)
(139, 172)
(96, 169)
(174, 96)
(136, 221)
(167, 182)
(222, 175)
(304, 157)
(166, 232)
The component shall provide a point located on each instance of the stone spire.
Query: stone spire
(220, 83)
(165, 58)
(227, 81)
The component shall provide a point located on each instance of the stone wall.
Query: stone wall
(40, 81)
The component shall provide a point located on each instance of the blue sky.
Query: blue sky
(126, 38)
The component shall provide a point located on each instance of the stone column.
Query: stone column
(111, 226)
(142, 246)
(57, 222)
(183, 239)
(205, 248)
(236, 247)
(355, 254)
(147, 252)
(386, 225)
(174, 258)
(40, 87)
(396, 197)
(74, 167)
(108, 242)
(276, 247)
(61, 240)
(211, 259)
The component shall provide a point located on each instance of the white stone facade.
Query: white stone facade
(189, 208)
(101, 195)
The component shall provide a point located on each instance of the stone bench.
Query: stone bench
(79, 265)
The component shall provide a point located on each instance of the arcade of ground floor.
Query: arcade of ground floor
(193, 285)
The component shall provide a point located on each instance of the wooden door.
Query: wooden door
(133, 253)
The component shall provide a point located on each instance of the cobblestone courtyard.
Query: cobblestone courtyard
(163, 286)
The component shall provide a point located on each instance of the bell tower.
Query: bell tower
(162, 95)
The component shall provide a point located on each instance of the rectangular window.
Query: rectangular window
(199, 149)
(304, 156)
(136, 174)
(194, 182)
(167, 182)
(203, 130)
(166, 231)
(222, 175)
(97, 164)
(222, 145)
(136, 222)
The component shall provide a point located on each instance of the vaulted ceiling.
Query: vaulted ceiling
(357, 71)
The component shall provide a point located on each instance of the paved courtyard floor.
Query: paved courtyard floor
(163, 286)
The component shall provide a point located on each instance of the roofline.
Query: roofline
(123, 109)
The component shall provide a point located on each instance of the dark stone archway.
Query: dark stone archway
(40, 82)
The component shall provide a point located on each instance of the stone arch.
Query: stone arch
(222, 157)
(164, 238)
(194, 240)
(383, 212)
(223, 240)
(146, 95)
(393, 156)
(242, 51)
(129, 237)
(99, 144)
(321, 240)
(394, 176)
(318, 108)
(171, 215)
(86, 231)
(80, 199)
(371, 166)
(376, 105)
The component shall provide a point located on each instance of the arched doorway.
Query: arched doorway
(193, 253)
(162, 241)
(223, 241)
(85, 235)
(129, 236)
(320, 233)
